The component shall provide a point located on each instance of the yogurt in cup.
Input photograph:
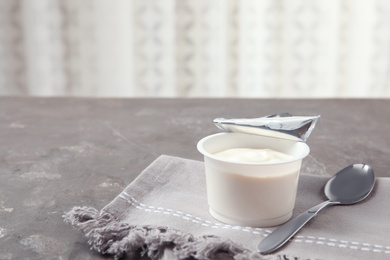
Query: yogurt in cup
(246, 192)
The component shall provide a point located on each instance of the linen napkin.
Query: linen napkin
(164, 213)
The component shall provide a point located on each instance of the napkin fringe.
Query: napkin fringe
(109, 236)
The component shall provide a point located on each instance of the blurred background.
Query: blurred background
(195, 48)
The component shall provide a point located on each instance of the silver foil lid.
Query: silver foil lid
(284, 125)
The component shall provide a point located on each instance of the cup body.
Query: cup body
(251, 194)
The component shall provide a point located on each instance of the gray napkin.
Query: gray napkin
(164, 213)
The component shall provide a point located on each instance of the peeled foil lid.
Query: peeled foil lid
(284, 125)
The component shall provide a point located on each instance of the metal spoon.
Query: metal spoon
(350, 185)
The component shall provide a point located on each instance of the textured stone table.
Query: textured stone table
(58, 153)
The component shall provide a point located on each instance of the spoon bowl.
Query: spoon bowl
(349, 186)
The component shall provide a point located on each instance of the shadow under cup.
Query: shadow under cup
(251, 194)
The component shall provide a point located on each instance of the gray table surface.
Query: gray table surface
(57, 153)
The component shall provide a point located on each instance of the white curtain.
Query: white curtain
(195, 48)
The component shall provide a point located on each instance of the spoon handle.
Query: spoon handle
(282, 234)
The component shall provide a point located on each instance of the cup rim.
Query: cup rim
(202, 150)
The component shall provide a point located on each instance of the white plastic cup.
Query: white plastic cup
(251, 194)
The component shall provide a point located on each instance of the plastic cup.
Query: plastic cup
(251, 194)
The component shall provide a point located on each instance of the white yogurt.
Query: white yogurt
(255, 185)
(251, 200)
(253, 155)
